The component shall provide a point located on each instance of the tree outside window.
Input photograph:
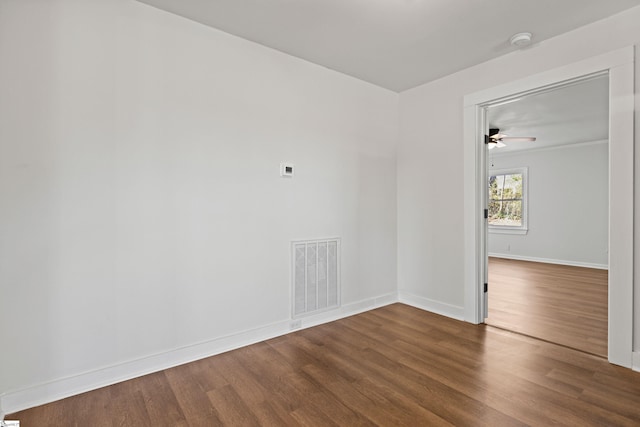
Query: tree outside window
(507, 192)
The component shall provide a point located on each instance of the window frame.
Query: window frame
(512, 229)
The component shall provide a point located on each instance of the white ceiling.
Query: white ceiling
(567, 115)
(396, 44)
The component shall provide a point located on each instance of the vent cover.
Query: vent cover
(316, 276)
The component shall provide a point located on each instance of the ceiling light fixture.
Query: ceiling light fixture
(520, 39)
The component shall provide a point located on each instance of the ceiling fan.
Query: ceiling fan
(495, 139)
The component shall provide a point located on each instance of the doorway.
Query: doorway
(620, 66)
(548, 214)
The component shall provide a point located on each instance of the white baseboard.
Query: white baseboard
(348, 310)
(550, 261)
(41, 394)
(427, 304)
(636, 361)
(59, 389)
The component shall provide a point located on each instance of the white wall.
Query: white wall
(568, 201)
(430, 157)
(141, 208)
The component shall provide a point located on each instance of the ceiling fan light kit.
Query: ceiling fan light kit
(520, 39)
(495, 144)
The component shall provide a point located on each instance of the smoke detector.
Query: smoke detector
(520, 39)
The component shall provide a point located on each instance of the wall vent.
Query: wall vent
(316, 276)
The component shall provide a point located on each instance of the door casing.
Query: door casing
(619, 65)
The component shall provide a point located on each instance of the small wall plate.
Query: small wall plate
(286, 169)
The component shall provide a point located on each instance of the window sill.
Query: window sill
(499, 230)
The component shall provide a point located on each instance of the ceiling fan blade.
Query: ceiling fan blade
(518, 138)
(497, 136)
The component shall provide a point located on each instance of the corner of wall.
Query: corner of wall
(437, 307)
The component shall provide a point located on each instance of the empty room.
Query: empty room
(273, 213)
(548, 215)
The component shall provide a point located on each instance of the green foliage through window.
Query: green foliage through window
(505, 200)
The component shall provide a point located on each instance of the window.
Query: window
(508, 201)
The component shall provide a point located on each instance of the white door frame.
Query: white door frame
(620, 67)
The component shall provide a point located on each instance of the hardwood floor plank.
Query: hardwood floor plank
(127, 407)
(161, 402)
(273, 414)
(310, 416)
(362, 397)
(395, 375)
(246, 385)
(620, 404)
(563, 304)
(185, 382)
(396, 365)
(51, 414)
(230, 409)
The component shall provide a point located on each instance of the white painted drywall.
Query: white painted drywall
(430, 156)
(568, 202)
(141, 207)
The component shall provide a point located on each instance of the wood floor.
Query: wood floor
(396, 365)
(562, 304)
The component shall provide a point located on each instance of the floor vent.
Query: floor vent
(316, 276)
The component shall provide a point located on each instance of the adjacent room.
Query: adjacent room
(548, 215)
(266, 213)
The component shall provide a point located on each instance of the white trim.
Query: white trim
(550, 261)
(620, 66)
(555, 77)
(348, 310)
(444, 309)
(496, 229)
(475, 235)
(636, 361)
(621, 211)
(40, 394)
